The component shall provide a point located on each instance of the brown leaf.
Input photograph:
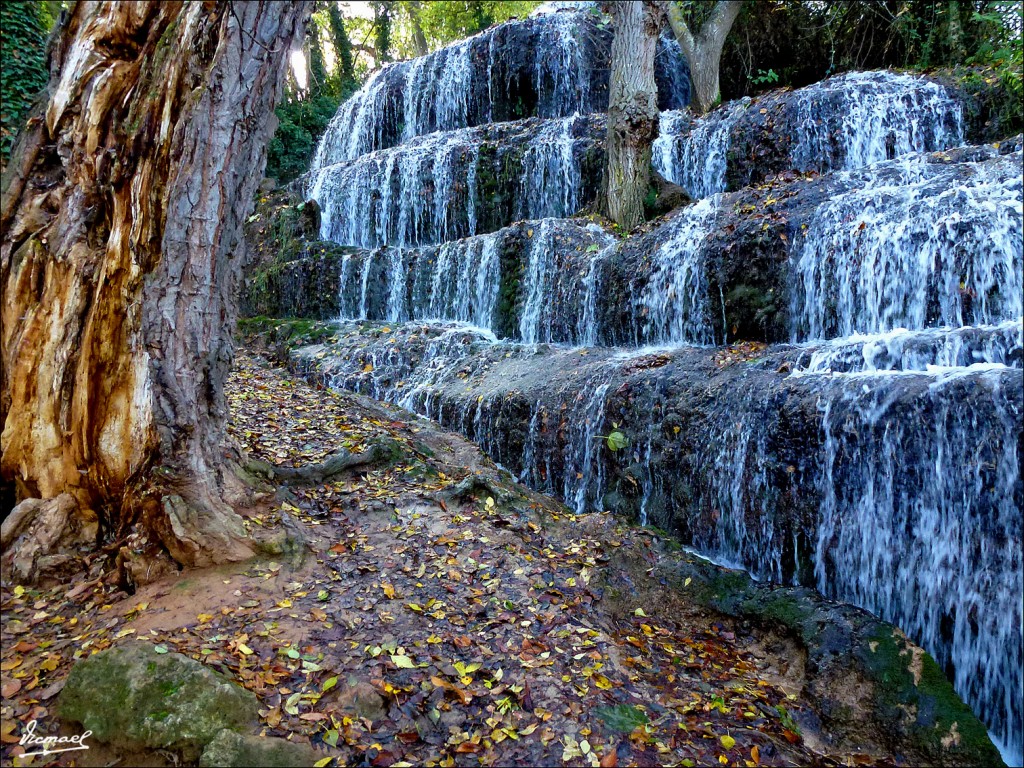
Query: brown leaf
(10, 688)
(610, 759)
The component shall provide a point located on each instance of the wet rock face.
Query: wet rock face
(761, 457)
(875, 691)
(304, 286)
(135, 698)
(456, 184)
(929, 240)
(843, 123)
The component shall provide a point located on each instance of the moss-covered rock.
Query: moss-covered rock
(232, 750)
(135, 697)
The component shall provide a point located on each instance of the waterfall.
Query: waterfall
(843, 123)
(875, 458)
(903, 350)
(674, 305)
(693, 153)
(860, 118)
(921, 523)
(939, 250)
(428, 190)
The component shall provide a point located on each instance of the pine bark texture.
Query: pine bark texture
(120, 259)
(632, 108)
(703, 50)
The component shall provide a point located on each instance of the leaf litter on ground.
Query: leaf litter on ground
(425, 628)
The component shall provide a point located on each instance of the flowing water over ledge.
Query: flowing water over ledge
(550, 66)
(843, 123)
(923, 241)
(455, 184)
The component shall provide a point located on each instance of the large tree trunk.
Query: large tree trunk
(703, 51)
(121, 217)
(632, 108)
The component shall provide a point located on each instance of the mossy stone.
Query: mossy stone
(136, 698)
(232, 750)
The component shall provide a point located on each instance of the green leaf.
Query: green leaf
(622, 717)
(616, 441)
(727, 741)
(402, 662)
(160, 648)
(329, 683)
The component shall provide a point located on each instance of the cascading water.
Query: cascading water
(921, 522)
(903, 350)
(843, 123)
(940, 250)
(551, 65)
(674, 306)
(693, 153)
(428, 189)
(882, 468)
(860, 118)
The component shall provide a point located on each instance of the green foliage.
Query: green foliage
(301, 123)
(23, 74)
(446, 21)
(765, 78)
(615, 439)
(1003, 55)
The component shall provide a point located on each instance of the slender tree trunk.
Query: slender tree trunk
(632, 108)
(119, 261)
(956, 36)
(703, 50)
(419, 40)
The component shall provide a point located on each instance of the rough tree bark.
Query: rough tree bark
(119, 260)
(632, 108)
(703, 51)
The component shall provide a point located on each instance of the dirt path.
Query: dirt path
(423, 625)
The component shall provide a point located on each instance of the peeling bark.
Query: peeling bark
(120, 260)
(632, 108)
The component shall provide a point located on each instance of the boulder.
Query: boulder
(134, 697)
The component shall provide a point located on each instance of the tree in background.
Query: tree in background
(632, 108)
(304, 114)
(121, 222)
(703, 49)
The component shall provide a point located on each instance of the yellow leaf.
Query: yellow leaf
(242, 647)
(727, 741)
(415, 607)
(402, 662)
(323, 761)
(639, 612)
(124, 632)
(286, 603)
(602, 681)
(389, 590)
(204, 617)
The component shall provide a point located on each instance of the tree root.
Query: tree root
(381, 451)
